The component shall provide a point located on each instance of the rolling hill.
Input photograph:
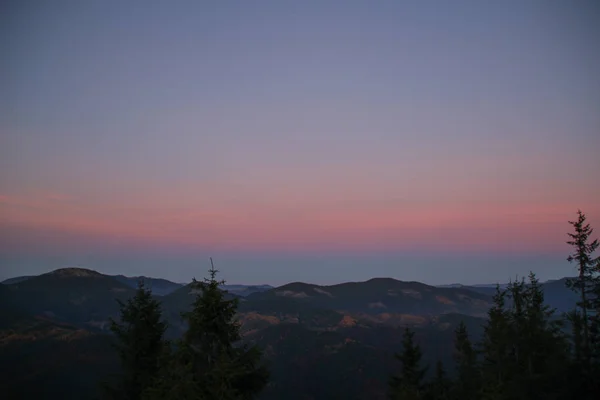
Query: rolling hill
(73, 295)
(378, 296)
(321, 342)
(159, 286)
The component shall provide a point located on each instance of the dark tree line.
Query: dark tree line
(207, 363)
(526, 352)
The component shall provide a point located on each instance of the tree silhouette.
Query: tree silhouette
(587, 268)
(209, 361)
(140, 344)
(466, 385)
(409, 383)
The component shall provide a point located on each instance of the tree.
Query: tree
(140, 344)
(586, 284)
(585, 320)
(543, 345)
(209, 362)
(524, 349)
(495, 348)
(466, 385)
(576, 322)
(408, 385)
(439, 387)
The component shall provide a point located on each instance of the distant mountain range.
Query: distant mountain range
(54, 341)
(159, 286)
(556, 293)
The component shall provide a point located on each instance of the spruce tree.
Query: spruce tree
(576, 321)
(524, 349)
(408, 385)
(585, 320)
(544, 348)
(587, 280)
(140, 344)
(439, 387)
(466, 385)
(210, 363)
(495, 347)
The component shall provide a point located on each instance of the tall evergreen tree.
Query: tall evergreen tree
(543, 344)
(524, 349)
(209, 362)
(140, 344)
(585, 320)
(495, 347)
(466, 385)
(587, 280)
(408, 385)
(576, 321)
(439, 387)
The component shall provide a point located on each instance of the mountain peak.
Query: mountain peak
(383, 280)
(75, 272)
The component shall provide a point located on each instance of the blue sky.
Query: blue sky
(297, 140)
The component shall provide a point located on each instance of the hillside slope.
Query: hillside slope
(74, 295)
(376, 296)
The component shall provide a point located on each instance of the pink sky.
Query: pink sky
(276, 225)
(347, 127)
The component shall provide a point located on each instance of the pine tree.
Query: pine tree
(576, 321)
(467, 381)
(544, 348)
(439, 387)
(408, 385)
(586, 282)
(585, 320)
(524, 349)
(140, 344)
(209, 362)
(495, 348)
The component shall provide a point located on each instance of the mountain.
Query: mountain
(74, 295)
(321, 342)
(16, 279)
(559, 296)
(378, 296)
(159, 287)
(556, 293)
(45, 359)
(51, 360)
(246, 290)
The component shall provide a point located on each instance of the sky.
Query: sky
(317, 141)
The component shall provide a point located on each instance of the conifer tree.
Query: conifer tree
(524, 349)
(586, 283)
(495, 348)
(140, 344)
(209, 362)
(576, 321)
(466, 385)
(585, 320)
(439, 388)
(544, 346)
(408, 385)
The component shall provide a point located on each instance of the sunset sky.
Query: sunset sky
(321, 141)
